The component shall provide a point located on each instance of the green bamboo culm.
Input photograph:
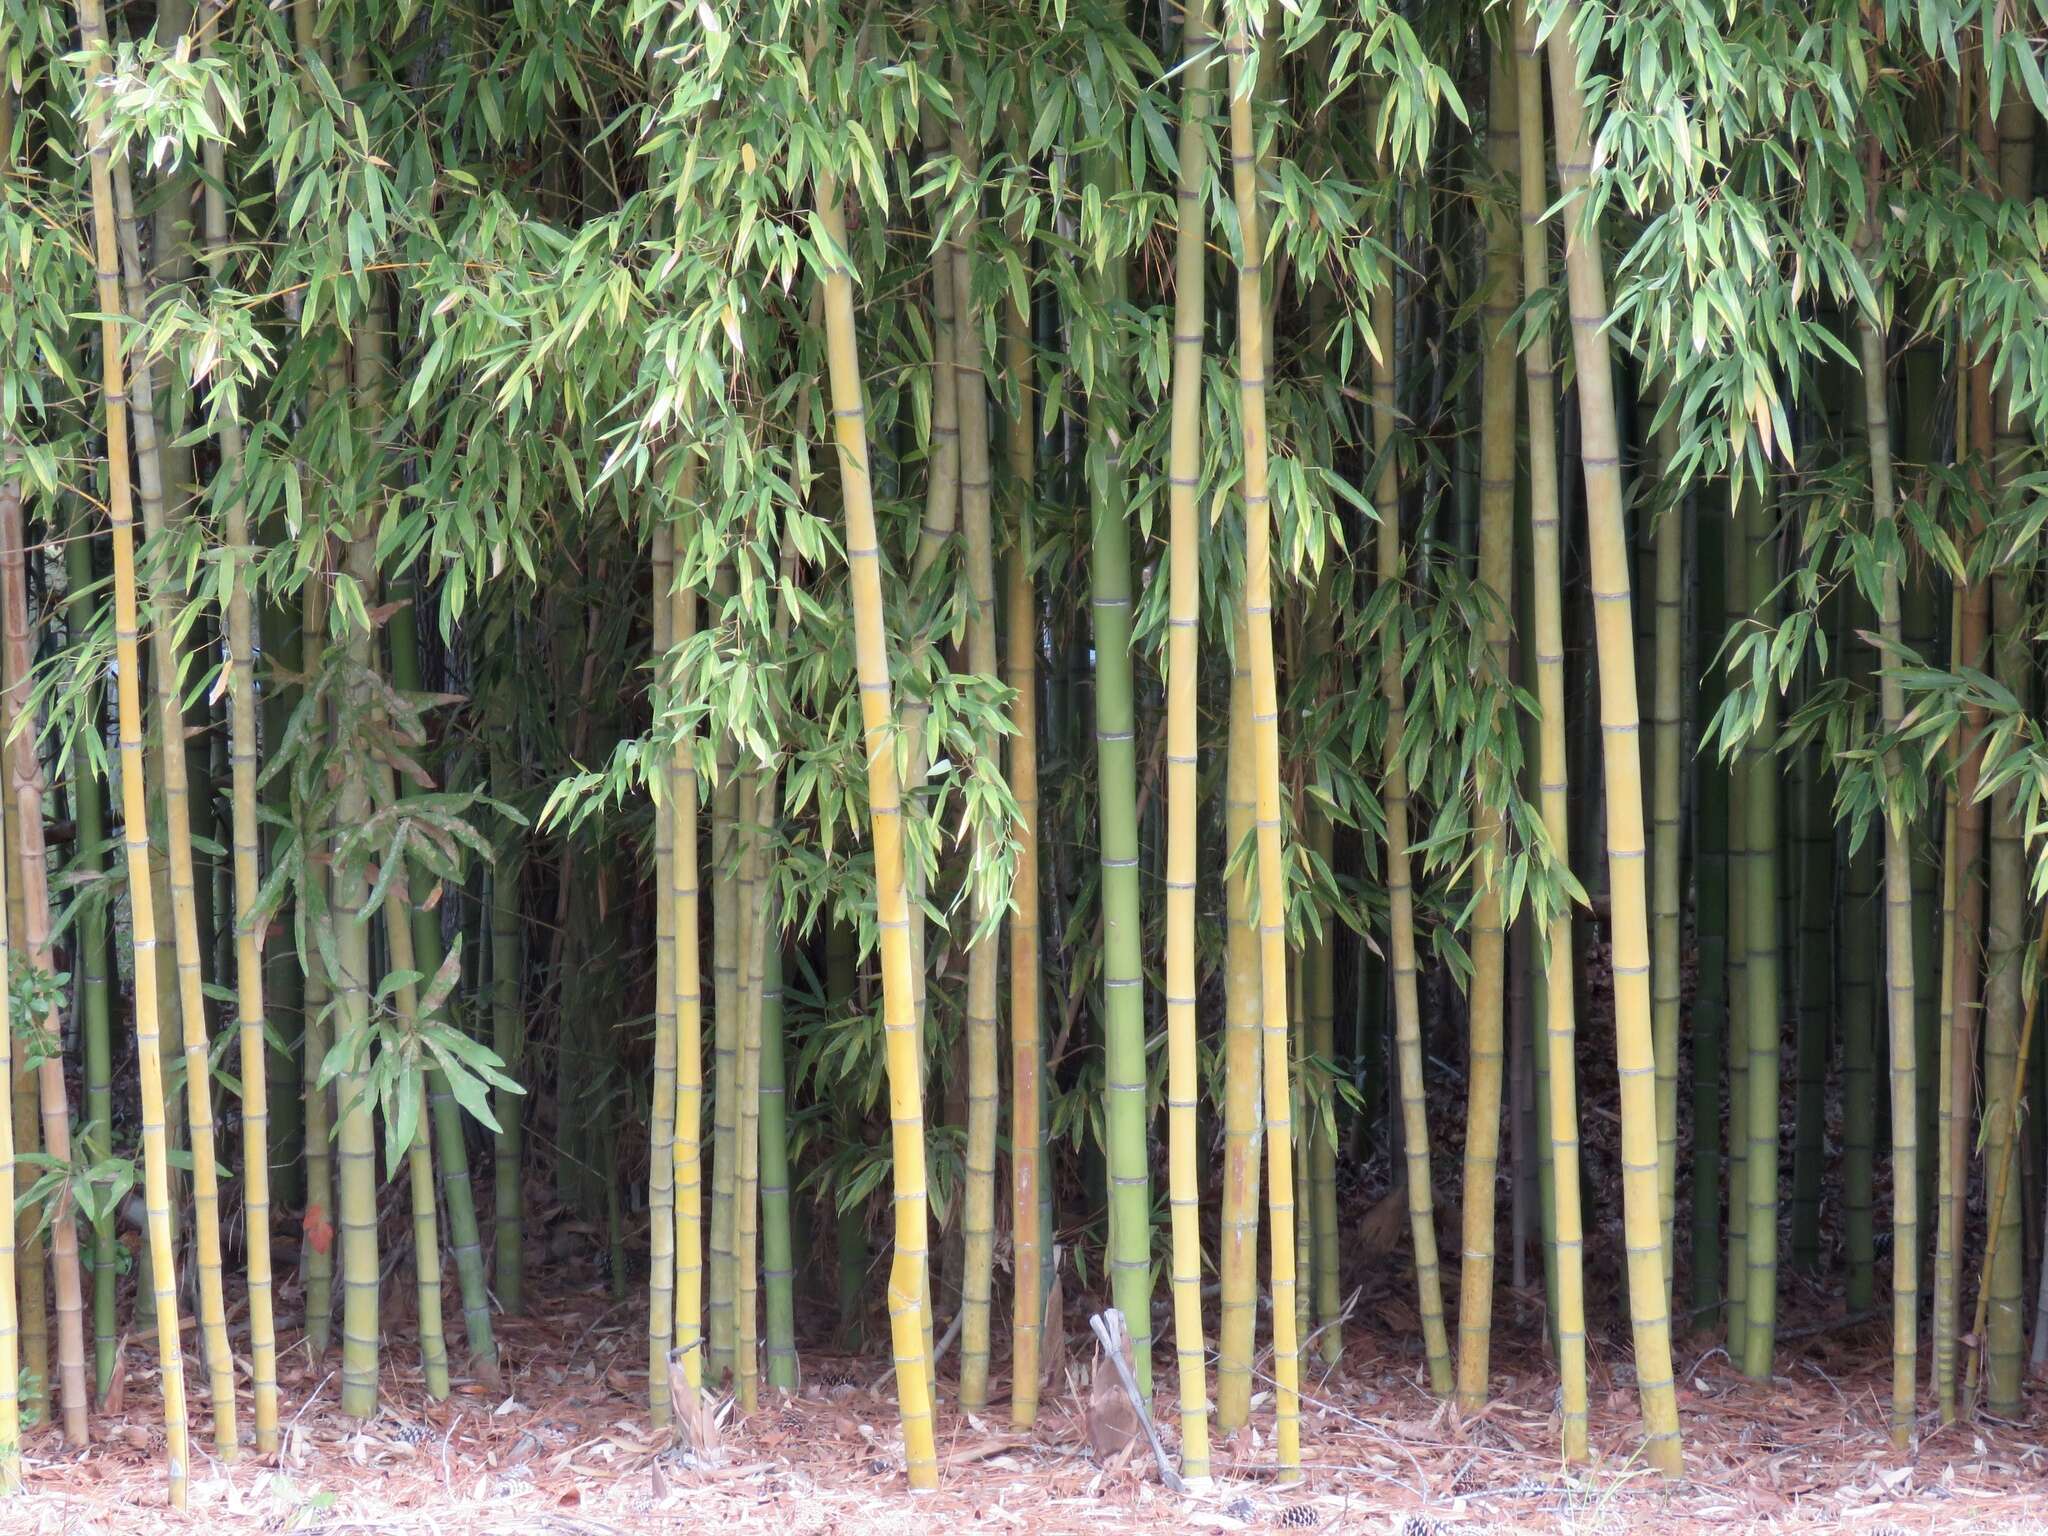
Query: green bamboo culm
(1277, 1094)
(1556, 1050)
(355, 1125)
(1116, 758)
(778, 1266)
(89, 866)
(1762, 1022)
(317, 1220)
(134, 809)
(984, 955)
(1710, 915)
(661, 1181)
(418, 1148)
(252, 1020)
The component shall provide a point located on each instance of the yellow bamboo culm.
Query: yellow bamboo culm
(134, 804)
(31, 860)
(663, 1171)
(1547, 610)
(177, 806)
(1183, 786)
(1258, 519)
(688, 977)
(1496, 575)
(1607, 539)
(885, 807)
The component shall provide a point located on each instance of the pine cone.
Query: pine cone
(1301, 1517)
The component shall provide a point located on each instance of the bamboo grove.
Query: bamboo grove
(1110, 633)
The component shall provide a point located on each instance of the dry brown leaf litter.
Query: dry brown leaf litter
(564, 1448)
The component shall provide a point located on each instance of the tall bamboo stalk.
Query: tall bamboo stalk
(682, 899)
(1243, 1116)
(1116, 756)
(1711, 910)
(10, 1322)
(88, 812)
(1735, 566)
(1258, 607)
(1496, 574)
(1557, 1052)
(1667, 873)
(2003, 1337)
(134, 805)
(1900, 985)
(248, 866)
(1600, 458)
(1184, 597)
(885, 808)
(984, 955)
(1391, 569)
(662, 1172)
(355, 1140)
(1762, 1021)
(1029, 1241)
(317, 1221)
(177, 800)
(33, 870)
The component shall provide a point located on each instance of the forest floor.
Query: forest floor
(564, 1449)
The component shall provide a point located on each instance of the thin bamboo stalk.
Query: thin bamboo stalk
(33, 870)
(1272, 902)
(662, 1171)
(248, 865)
(88, 811)
(1760, 797)
(683, 900)
(984, 954)
(1485, 1077)
(1556, 1050)
(1243, 1117)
